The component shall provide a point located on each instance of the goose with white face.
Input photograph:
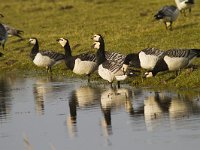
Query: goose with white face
(97, 45)
(32, 41)
(96, 37)
(148, 75)
(62, 41)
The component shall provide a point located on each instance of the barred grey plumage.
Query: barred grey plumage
(44, 58)
(109, 70)
(152, 51)
(12, 31)
(183, 5)
(146, 58)
(168, 14)
(174, 60)
(109, 55)
(187, 53)
(3, 35)
(80, 64)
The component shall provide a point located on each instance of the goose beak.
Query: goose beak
(57, 40)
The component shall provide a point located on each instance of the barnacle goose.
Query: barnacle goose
(174, 60)
(146, 58)
(109, 55)
(109, 69)
(184, 4)
(12, 31)
(44, 58)
(168, 14)
(80, 64)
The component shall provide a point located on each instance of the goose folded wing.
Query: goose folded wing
(87, 57)
(112, 66)
(53, 55)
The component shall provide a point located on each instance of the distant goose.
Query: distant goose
(184, 4)
(109, 55)
(79, 64)
(12, 31)
(109, 70)
(3, 34)
(174, 60)
(168, 14)
(44, 58)
(146, 58)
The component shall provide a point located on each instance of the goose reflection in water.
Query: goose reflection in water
(112, 100)
(41, 90)
(155, 105)
(5, 99)
(170, 105)
(81, 98)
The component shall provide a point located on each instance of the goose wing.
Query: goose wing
(112, 66)
(87, 57)
(12, 31)
(115, 56)
(187, 53)
(153, 51)
(53, 55)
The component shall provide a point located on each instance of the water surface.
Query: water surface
(50, 113)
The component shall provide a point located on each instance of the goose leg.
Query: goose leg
(170, 27)
(118, 84)
(88, 78)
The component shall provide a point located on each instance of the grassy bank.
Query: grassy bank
(126, 26)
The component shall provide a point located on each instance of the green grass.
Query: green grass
(127, 26)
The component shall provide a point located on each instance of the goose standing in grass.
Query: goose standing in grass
(168, 14)
(183, 5)
(80, 64)
(44, 58)
(3, 34)
(12, 31)
(174, 60)
(109, 70)
(146, 58)
(109, 55)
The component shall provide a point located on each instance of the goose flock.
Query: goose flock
(113, 66)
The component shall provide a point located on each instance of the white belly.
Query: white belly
(105, 74)
(147, 61)
(84, 67)
(176, 63)
(42, 61)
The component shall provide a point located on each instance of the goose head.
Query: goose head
(148, 74)
(62, 41)
(97, 37)
(33, 41)
(97, 45)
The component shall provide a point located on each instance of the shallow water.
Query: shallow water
(49, 113)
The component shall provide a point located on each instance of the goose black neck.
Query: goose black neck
(133, 60)
(68, 52)
(160, 66)
(101, 57)
(34, 50)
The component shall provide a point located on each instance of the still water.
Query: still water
(67, 114)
